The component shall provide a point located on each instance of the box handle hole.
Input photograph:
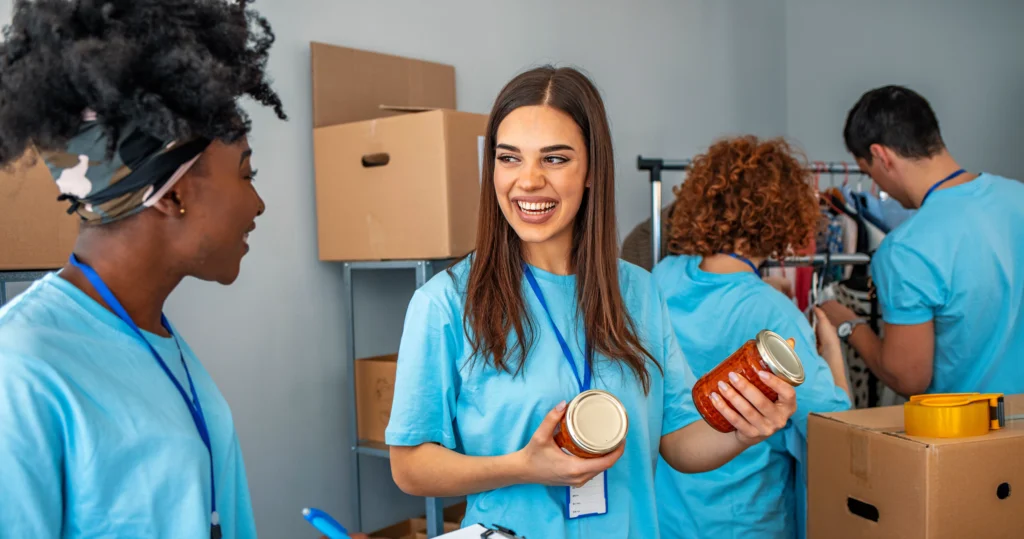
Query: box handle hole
(376, 160)
(1003, 491)
(863, 510)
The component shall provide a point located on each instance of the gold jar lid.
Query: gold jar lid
(780, 357)
(597, 421)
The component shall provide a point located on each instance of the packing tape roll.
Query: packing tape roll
(953, 415)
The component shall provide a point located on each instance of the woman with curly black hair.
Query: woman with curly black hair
(745, 200)
(111, 425)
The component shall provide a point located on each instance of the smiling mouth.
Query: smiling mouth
(536, 208)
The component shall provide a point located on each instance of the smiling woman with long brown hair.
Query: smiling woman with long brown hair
(542, 311)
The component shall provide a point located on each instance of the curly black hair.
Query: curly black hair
(175, 69)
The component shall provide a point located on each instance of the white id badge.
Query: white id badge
(589, 500)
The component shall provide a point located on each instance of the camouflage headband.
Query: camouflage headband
(104, 188)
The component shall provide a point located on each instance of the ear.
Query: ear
(884, 155)
(175, 203)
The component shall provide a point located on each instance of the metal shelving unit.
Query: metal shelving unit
(424, 269)
(18, 277)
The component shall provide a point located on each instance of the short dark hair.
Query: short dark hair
(896, 117)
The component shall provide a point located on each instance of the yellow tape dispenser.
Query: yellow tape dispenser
(953, 415)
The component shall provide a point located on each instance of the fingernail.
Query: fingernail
(561, 406)
(715, 397)
(763, 375)
(723, 387)
(735, 378)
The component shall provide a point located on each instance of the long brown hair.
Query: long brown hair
(495, 305)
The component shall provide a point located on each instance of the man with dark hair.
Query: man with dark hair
(950, 280)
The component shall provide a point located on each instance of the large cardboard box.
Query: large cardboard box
(398, 170)
(375, 389)
(869, 479)
(36, 232)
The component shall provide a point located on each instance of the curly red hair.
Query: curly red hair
(745, 194)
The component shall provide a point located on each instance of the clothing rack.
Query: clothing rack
(655, 165)
(853, 259)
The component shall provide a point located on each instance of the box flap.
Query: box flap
(407, 109)
(349, 85)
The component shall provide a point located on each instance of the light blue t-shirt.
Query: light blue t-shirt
(479, 411)
(96, 441)
(762, 492)
(959, 261)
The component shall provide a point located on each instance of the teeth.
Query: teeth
(536, 206)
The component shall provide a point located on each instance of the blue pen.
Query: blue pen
(323, 522)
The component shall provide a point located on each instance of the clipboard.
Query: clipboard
(479, 531)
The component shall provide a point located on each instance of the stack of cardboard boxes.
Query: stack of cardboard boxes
(869, 479)
(36, 232)
(398, 170)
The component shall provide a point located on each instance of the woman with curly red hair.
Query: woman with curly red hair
(744, 201)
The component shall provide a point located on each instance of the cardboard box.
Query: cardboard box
(36, 232)
(398, 170)
(415, 528)
(421, 527)
(403, 530)
(350, 85)
(375, 389)
(867, 478)
(406, 187)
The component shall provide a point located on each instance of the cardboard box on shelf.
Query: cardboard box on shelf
(36, 232)
(421, 527)
(398, 170)
(403, 530)
(867, 478)
(375, 389)
(416, 528)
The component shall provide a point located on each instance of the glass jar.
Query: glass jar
(767, 352)
(594, 424)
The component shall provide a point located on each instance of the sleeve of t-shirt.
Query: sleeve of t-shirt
(31, 451)
(910, 286)
(679, 379)
(423, 408)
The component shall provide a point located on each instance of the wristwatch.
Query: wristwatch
(846, 328)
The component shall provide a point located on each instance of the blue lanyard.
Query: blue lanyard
(747, 262)
(940, 182)
(585, 383)
(194, 407)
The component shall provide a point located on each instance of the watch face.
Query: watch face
(844, 329)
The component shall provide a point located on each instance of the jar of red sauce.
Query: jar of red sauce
(594, 424)
(766, 352)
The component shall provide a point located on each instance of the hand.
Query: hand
(837, 313)
(781, 284)
(543, 462)
(758, 417)
(828, 339)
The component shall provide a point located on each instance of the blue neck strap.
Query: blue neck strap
(194, 408)
(584, 384)
(940, 182)
(746, 261)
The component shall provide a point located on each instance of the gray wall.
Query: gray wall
(963, 56)
(675, 75)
